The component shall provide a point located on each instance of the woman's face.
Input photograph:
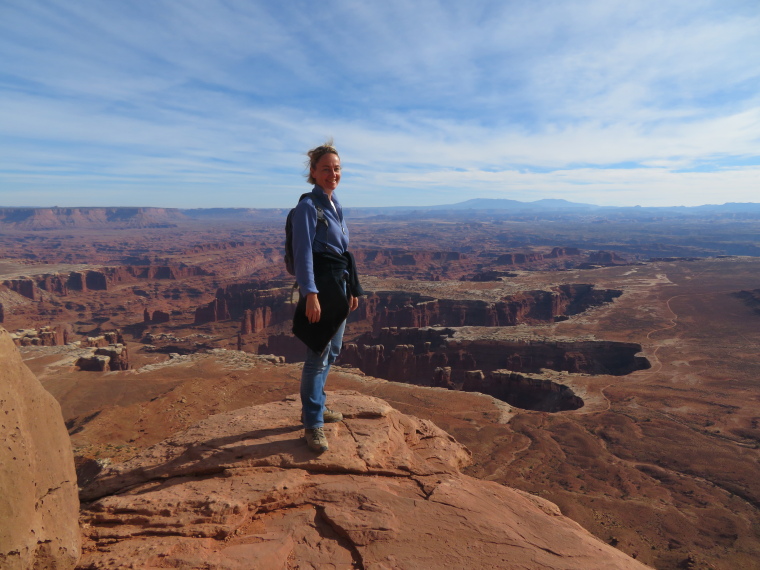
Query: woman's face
(327, 172)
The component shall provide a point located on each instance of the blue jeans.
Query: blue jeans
(313, 379)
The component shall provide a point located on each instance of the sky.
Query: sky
(214, 103)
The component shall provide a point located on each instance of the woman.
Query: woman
(328, 286)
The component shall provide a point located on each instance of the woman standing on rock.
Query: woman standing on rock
(328, 286)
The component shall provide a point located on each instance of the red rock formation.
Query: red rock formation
(259, 307)
(118, 356)
(428, 357)
(215, 311)
(379, 258)
(77, 281)
(45, 336)
(93, 363)
(395, 309)
(129, 273)
(214, 246)
(38, 504)
(100, 279)
(563, 252)
(23, 286)
(241, 490)
(518, 258)
(156, 318)
(286, 345)
(522, 391)
(112, 357)
(255, 320)
(606, 257)
(106, 339)
(246, 324)
(254, 303)
(56, 284)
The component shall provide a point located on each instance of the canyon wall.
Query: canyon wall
(258, 307)
(97, 279)
(435, 357)
(433, 348)
(255, 304)
(399, 309)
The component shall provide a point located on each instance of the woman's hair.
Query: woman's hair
(315, 154)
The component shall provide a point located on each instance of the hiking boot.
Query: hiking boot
(331, 416)
(316, 440)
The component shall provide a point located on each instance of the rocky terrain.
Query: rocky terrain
(617, 384)
(240, 490)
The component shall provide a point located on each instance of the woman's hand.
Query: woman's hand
(353, 302)
(313, 310)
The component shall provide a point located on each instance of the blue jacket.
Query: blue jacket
(308, 238)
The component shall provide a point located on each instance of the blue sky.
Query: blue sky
(203, 103)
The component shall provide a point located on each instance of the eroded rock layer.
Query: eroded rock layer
(241, 490)
(436, 357)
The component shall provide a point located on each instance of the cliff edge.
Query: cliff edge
(39, 506)
(241, 490)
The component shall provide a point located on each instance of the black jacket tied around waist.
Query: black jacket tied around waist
(334, 275)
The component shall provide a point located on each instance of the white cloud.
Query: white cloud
(432, 98)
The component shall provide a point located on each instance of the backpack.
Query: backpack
(289, 261)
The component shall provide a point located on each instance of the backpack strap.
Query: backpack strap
(320, 209)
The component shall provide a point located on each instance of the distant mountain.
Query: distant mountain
(31, 219)
(88, 218)
(740, 207)
(558, 208)
(505, 204)
(560, 204)
(232, 214)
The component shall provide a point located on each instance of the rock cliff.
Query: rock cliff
(399, 309)
(437, 357)
(254, 303)
(97, 279)
(38, 487)
(241, 490)
(259, 306)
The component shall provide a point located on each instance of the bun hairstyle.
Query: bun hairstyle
(315, 154)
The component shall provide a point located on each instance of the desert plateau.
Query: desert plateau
(523, 387)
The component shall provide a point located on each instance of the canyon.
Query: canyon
(578, 362)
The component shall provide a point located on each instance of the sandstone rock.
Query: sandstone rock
(414, 355)
(45, 336)
(106, 339)
(159, 317)
(103, 359)
(23, 286)
(608, 257)
(403, 309)
(38, 492)
(254, 303)
(241, 490)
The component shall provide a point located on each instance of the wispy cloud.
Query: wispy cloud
(214, 103)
